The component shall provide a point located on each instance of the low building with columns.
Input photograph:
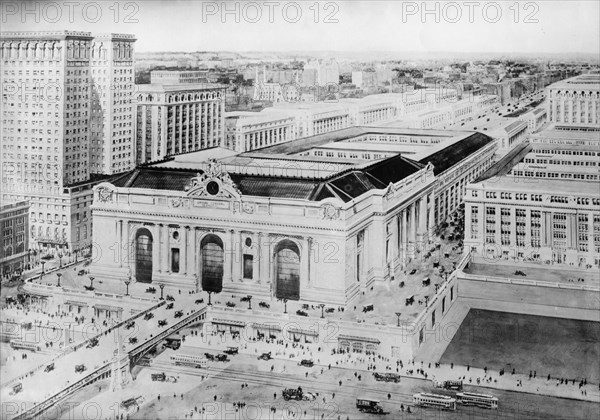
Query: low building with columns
(246, 131)
(174, 119)
(575, 100)
(273, 222)
(539, 203)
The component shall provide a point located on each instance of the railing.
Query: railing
(527, 282)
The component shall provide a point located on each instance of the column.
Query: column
(431, 216)
(591, 248)
(159, 246)
(304, 257)
(308, 260)
(404, 234)
(238, 253)
(513, 230)
(122, 248)
(190, 250)
(167, 253)
(229, 257)
(183, 252)
(257, 255)
(423, 219)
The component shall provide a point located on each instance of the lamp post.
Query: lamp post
(398, 315)
(127, 282)
(42, 273)
(162, 286)
(209, 294)
(249, 301)
(322, 306)
(285, 306)
(91, 283)
(59, 276)
(60, 255)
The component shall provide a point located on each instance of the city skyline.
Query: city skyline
(403, 27)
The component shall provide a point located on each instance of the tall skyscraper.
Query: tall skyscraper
(66, 115)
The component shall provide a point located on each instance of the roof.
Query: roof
(581, 82)
(504, 165)
(540, 186)
(346, 185)
(450, 155)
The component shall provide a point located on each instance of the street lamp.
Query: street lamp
(162, 286)
(209, 294)
(60, 255)
(91, 283)
(127, 281)
(249, 301)
(42, 273)
(59, 276)
(398, 315)
(285, 306)
(322, 306)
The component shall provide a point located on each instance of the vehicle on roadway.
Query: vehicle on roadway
(222, 358)
(170, 306)
(366, 405)
(172, 342)
(149, 315)
(130, 325)
(231, 350)
(162, 322)
(424, 399)
(93, 343)
(158, 377)
(479, 400)
(178, 314)
(292, 394)
(133, 340)
(387, 377)
(456, 385)
(80, 368)
(49, 368)
(188, 360)
(265, 356)
(18, 387)
(170, 298)
(306, 363)
(309, 396)
(24, 345)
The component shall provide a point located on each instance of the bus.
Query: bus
(479, 400)
(455, 385)
(25, 345)
(424, 399)
(188, 360)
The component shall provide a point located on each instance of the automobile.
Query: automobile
(387, 377)
(86, 263)
(162, 322)
(329, 310)
(148, 316)
(89, 288)
(410, 300)
(413, 271)
(93, 343)
(309, 396)
(520, 273)
(178, 314)
(199, 301)
(426, 282)
(369, 406)
(231, 350)
(265, 356)
(81, 272)
(209, 356)
(129, 325)
(301, 313)
(170, 306)
(292, 394)
(244, 299)
(18, 387)
(158, 377)
(264, 305)
(170, 298)
(80, 368)
(49, 368)
(306, 363)
(222, 358)
(151, 290)
(132, 340)
(368, 308)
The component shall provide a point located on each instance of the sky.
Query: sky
(396, 26)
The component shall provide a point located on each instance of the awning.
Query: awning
(76, 303)
(272, 327)
(229, 322)
(356, 338)
(108, 308)
(305, 332)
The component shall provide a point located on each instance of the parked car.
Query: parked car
(306, 363)
(49, 368)
(222, 358)
(301, 313)
(93, 343)
(170, 298)
(265, 356)
(133, 340)
(130, 325)
(80, 368)
(413, 271)
(162, 322)
(178, 314)
(170, 306)
(149, 315)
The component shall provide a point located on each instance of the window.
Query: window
(175, 260)
(248, 266)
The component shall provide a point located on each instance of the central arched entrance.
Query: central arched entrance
(212, 263)
(143, 256)
(287, 270)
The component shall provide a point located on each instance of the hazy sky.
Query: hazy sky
(403, 26)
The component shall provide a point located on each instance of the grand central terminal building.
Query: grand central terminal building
(318, 219)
